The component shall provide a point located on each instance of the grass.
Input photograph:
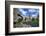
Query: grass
(33, 22)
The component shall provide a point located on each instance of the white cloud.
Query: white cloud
(32, 10)
(22, 11)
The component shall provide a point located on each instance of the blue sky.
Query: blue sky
(29, 11)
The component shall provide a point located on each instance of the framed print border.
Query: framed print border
(7, 12)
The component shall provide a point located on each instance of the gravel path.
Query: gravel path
(23, 25)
